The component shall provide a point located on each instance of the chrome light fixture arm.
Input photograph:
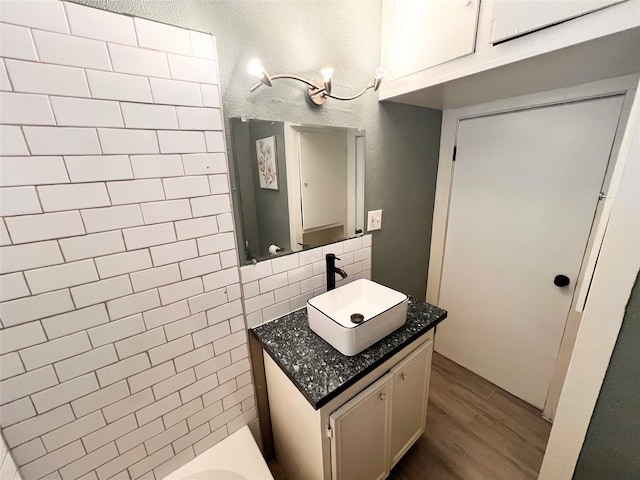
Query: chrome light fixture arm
(319, 90)
(352, 97)
(277, 77)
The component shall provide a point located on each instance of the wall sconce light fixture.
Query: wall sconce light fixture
(318, 89)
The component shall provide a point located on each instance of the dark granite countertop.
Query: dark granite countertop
(318, 370)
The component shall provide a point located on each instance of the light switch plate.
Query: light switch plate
(374, 220)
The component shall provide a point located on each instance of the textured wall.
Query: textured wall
(612, 446)
(123, 343)
(300, 37)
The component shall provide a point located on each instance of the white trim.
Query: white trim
(615, 274)
(360, 172)
(583, 281)
(626, 85)
(292, 146)
(350, 221)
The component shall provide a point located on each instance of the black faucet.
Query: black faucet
(332, 270)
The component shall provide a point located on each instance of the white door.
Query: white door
(524, 194)
(323, 177)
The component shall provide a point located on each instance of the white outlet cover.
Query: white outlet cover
(374, 220)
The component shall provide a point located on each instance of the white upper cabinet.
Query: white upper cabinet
(452, 53)
(431, 32)
(514, 18)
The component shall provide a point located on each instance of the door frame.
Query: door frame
(625, 85)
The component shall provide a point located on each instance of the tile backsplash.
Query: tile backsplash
(275, 287)
(122, 334)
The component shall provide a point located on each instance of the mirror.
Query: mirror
(295, 186)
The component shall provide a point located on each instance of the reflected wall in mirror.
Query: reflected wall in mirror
(319, 172)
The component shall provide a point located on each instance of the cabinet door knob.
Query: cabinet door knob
(383, 396)
(403, 376)
(466, 3)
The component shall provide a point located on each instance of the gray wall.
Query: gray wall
(243, 191)
(272, 206)
(300, 37)
(612, 446)
(403, 184)
(263, 213)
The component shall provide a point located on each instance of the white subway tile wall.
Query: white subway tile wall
(275, 287)
(123, 344)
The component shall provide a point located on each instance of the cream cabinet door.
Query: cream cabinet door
(360, 441)
(514, 18)
(425, 33)
(410, 386)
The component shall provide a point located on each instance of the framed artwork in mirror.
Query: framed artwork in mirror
(267, 162)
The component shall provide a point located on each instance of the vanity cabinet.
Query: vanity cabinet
(360, 434)
(326, 416)
(372, 431)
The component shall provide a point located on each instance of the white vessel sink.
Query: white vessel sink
(355, 316)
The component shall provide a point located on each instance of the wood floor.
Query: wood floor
(474, 431)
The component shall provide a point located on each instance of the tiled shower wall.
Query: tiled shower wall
(275, 287)
(123, 342)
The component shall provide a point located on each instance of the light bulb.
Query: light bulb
(255, 67)
(326, 74)
(380, 72)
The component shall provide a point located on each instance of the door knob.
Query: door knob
(561, 281)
